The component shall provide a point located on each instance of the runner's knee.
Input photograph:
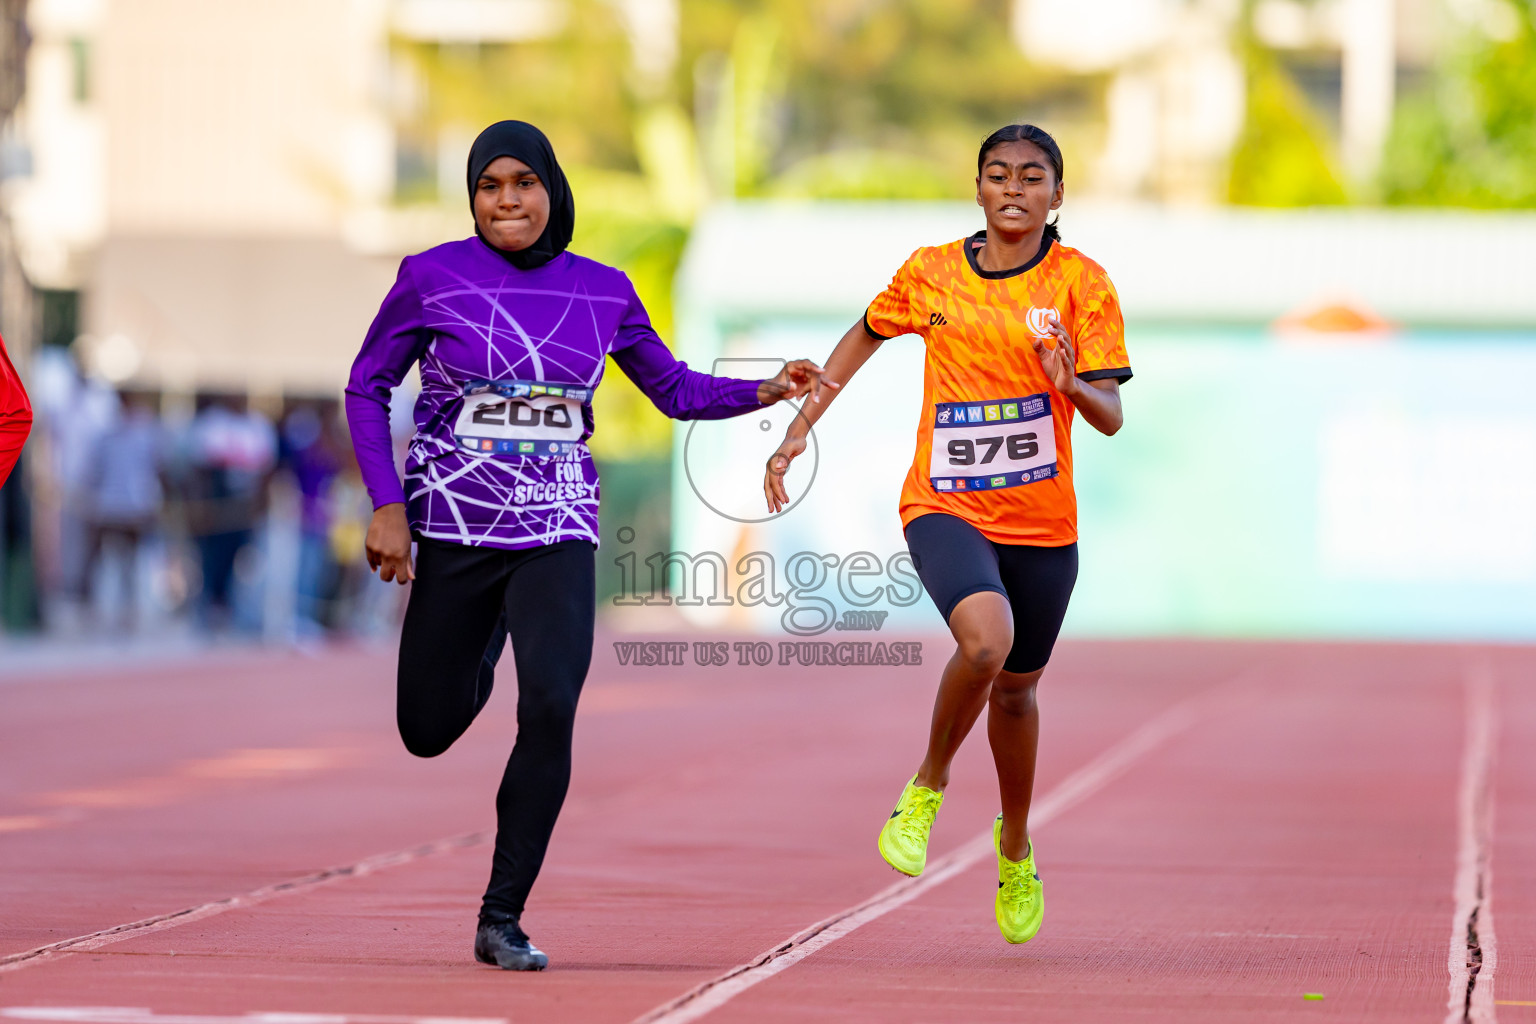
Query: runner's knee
(1013, 693)
(1014, 701)
(984, 654)
(548, 712)
(424, 746)
(426, 739)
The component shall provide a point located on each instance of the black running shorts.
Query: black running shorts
(955, 561)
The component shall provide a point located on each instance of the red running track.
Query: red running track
(1224, 828)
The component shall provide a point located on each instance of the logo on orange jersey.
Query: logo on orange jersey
(1039, 320)
(937, 320)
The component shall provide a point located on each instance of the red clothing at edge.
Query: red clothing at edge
(15, 414)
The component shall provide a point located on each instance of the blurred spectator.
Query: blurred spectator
(311, 453)
(75, 412)
(230, 452)
(123, 495)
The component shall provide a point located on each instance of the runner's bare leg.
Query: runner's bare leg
(982, 625)
(1013, 728)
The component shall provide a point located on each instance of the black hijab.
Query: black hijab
(522, 141)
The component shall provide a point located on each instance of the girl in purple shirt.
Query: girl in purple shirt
(511, 332)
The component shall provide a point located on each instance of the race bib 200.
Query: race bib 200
(985, 446)
(521, 417)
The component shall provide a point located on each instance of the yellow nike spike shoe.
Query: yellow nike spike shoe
(904, 837)
(1020, 897)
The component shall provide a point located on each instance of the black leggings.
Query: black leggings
(464, 604)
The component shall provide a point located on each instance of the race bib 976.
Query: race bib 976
(984, 446)
(521, 417)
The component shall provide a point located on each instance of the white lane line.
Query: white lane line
(1473, 950)
(139, 1015)
(712, 994)
(160, 922)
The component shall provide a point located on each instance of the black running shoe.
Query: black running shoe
(503, 944)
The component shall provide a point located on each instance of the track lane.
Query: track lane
(1305, 844)
(1513, 844)
(710, 816)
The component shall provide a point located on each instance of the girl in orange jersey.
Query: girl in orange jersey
(1022, 333)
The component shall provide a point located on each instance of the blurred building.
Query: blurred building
(205, 189)
(15, 296)
(192, 170)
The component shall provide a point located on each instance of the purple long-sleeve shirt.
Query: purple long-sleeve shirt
(509, 360)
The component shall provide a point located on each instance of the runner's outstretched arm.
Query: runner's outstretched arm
(682, 393)
(852, 352)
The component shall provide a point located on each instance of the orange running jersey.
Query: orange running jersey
(995, 443)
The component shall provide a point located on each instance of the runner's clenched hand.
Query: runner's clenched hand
(389, 544)
(1058, 361)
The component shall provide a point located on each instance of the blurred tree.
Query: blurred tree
(872, 174)
(1468, 138)
(571, 84)
(863, 98)
(1282, 157)
(777, 90)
